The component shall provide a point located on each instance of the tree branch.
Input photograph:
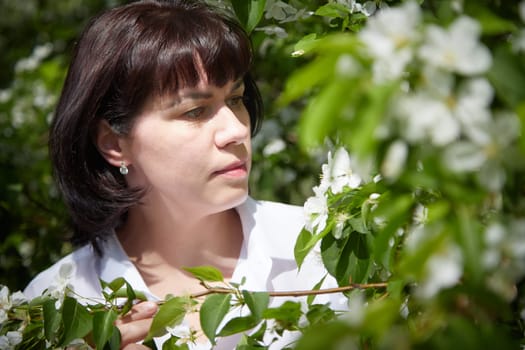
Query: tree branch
(297, 293)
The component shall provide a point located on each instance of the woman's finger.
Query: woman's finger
(140, 311)
(134, 326)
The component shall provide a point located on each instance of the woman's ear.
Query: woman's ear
(110, 144)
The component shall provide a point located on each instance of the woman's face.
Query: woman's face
(192, 151)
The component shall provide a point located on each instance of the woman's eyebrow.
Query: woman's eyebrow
(237, 85)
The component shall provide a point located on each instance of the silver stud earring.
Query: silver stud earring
(123, 168)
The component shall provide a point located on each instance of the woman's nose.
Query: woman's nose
(232, 127)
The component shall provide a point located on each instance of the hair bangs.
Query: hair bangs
(201, 50)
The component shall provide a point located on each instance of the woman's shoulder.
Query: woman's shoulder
(76, 269)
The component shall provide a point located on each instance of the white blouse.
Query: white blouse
(266, 263)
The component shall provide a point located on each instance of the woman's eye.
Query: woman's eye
(235, 101)
(195, 113)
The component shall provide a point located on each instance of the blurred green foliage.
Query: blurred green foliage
(36, 38)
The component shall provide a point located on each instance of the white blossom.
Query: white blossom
(442, 270)
(483, 152)
(395, 159)
(3, 316)
(5, 301)
(316, 211)
(338, 172)
(60, 286)
(420, 215)
(274, 146)
(367, 9)
(389, 37)
(356, 309)
(10, 340)
(457, 49)
(425, 117)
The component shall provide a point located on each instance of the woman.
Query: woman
(150, 146)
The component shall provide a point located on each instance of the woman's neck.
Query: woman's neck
(161, 247)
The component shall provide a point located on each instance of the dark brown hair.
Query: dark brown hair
(123, 57)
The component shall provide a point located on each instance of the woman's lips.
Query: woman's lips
(236, 170)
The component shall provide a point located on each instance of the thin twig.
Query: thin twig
(297, 293)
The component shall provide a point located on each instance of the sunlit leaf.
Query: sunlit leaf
(103, 327)
(257, 302)
(170, 314)
(206, 273)
(77, 320)
(52, 319)
(287, 314)
(238, 325)
(309, 76)
(320, 117)
(319, 313)
(212, 312)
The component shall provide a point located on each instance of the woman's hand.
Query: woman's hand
(134, 326)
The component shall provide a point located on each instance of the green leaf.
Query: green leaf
(306, 44)
(333, 10)
(336, 257)
(310, 299)
(395, 212)
(307, 77)
(171, 344)
(471, 240)
(170, 314)
(103, 327)
(249, 12)
(287, 315)
(302, 248)
(206, 273)
(238, 325)
(319, 313)
(212, 312)
(372, 109)
(116, 284)
(491, 23)
(257, 302)
(322, 113)
(77, 320)
(52, 320)
(507, 76)
(359, 245)
(325, 336)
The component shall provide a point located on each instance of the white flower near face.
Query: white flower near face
(61, 285)
(389, 37)
(338, 172)
(442, 270)
(274, 146)
(10, 340)
(316, 211)
(457, 49)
